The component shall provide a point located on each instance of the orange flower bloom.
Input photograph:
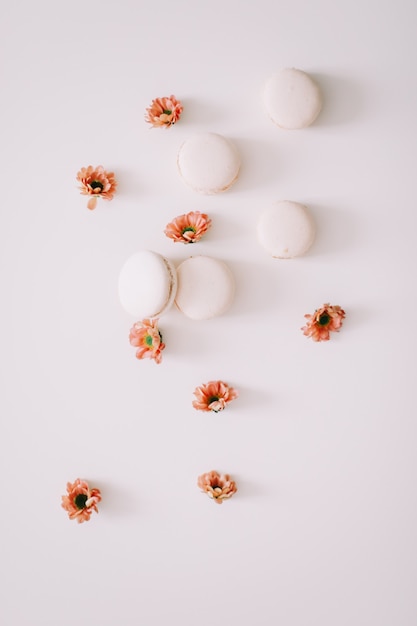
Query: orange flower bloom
(98, 183)
(217, 487)
(188, 228)
(164, 112)
(146, 337)
(324, 320)
(81, 501)
(213, 396)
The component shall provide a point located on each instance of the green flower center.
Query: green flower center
(148, 341)
(189, 229)
(96, 184)
(80, 500)
(167, 112)
(324, 319)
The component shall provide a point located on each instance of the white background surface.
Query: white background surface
(322, 438)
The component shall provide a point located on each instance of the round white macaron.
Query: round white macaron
(206, 287)
(147, 284)
(208, 163)
(286, 229)
(292, 98)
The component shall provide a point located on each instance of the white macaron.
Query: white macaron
(286, 229)
(147, 284)
(208, 163)
(292, 98)
(206, 287)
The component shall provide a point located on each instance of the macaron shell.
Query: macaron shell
(292, 98)
(286, 230)
(208, 163)
(147, 284)
(206, 287)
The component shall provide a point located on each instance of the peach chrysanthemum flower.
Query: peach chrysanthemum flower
(188, 228)
(145, 336)
(217, 487)
(97, 183)
(164, 112)
(213, 396)
(324, 320)
(81, 501)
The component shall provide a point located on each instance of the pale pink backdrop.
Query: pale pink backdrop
(321, 441)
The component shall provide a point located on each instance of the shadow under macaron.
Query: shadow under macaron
(196, 110)
(336, 230)
(257, 287)
(261, 165)
(116, 500)
(344, 99)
